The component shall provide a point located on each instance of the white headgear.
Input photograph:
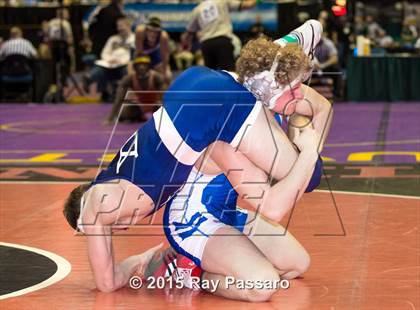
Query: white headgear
(264, 86)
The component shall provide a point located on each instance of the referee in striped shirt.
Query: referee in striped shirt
(17, 45)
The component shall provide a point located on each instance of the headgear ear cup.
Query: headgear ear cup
(263, 84)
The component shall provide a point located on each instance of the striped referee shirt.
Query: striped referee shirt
(17, 46)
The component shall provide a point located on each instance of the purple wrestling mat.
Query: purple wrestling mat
(78, 134)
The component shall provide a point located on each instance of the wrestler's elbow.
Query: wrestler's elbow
(275, 211)
(105, 286)
(318, 102)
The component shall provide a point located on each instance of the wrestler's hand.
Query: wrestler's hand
(307, 140)
(299, 121)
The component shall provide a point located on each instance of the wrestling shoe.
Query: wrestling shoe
(163, 264)
(307, 35)
(177, 266)
(188, 272)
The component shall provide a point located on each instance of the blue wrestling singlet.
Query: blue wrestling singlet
(200, 107)
(205, 204)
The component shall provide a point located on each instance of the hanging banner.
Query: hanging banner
(175, 17)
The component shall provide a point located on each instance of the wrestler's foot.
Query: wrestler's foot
(146, 258)
(307, 35)
(188, 272)
(163, 264)
(171, 264)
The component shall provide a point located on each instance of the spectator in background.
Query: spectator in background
(409, 32)
(417, 44)
(182, 55)
(326, 62)
(359, 26)
(153, 41)
(257, 29)
(212, 22)
(44, 50)
(17, 45)
(147, 84)
(115, 57)
(329, 24)
(60, 38)
(103, 24)
(373, 30)
(383, 40)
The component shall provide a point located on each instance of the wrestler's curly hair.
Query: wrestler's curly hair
(71, 208)
(258, 55)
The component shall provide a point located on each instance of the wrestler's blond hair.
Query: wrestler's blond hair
(258, 55)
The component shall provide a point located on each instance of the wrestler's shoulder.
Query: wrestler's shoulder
(211, 77)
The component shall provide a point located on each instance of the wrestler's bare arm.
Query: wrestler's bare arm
(266, 145)
(108, 204)
(318, 107)
(254, 186)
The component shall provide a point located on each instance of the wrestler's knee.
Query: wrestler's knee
(301, 265)
(260, 295)
(263, 285)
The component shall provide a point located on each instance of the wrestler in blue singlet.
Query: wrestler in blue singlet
(205, 204)
(200, 107)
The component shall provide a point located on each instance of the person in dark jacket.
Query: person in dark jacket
(103, 24)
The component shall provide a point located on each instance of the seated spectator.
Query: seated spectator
(115, 57)
(376, 33)
(16, 70)
(17, 45)
(153, 41)
(147, 84)
(326, 62)
(384, 40)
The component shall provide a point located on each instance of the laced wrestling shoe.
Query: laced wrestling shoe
(179, 267)
(307, 35)
(188, 272)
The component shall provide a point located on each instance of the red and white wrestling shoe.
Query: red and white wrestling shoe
(188, 272)
(180, 267)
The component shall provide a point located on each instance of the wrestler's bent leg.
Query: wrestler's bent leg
(229, 253)
(286, 254)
